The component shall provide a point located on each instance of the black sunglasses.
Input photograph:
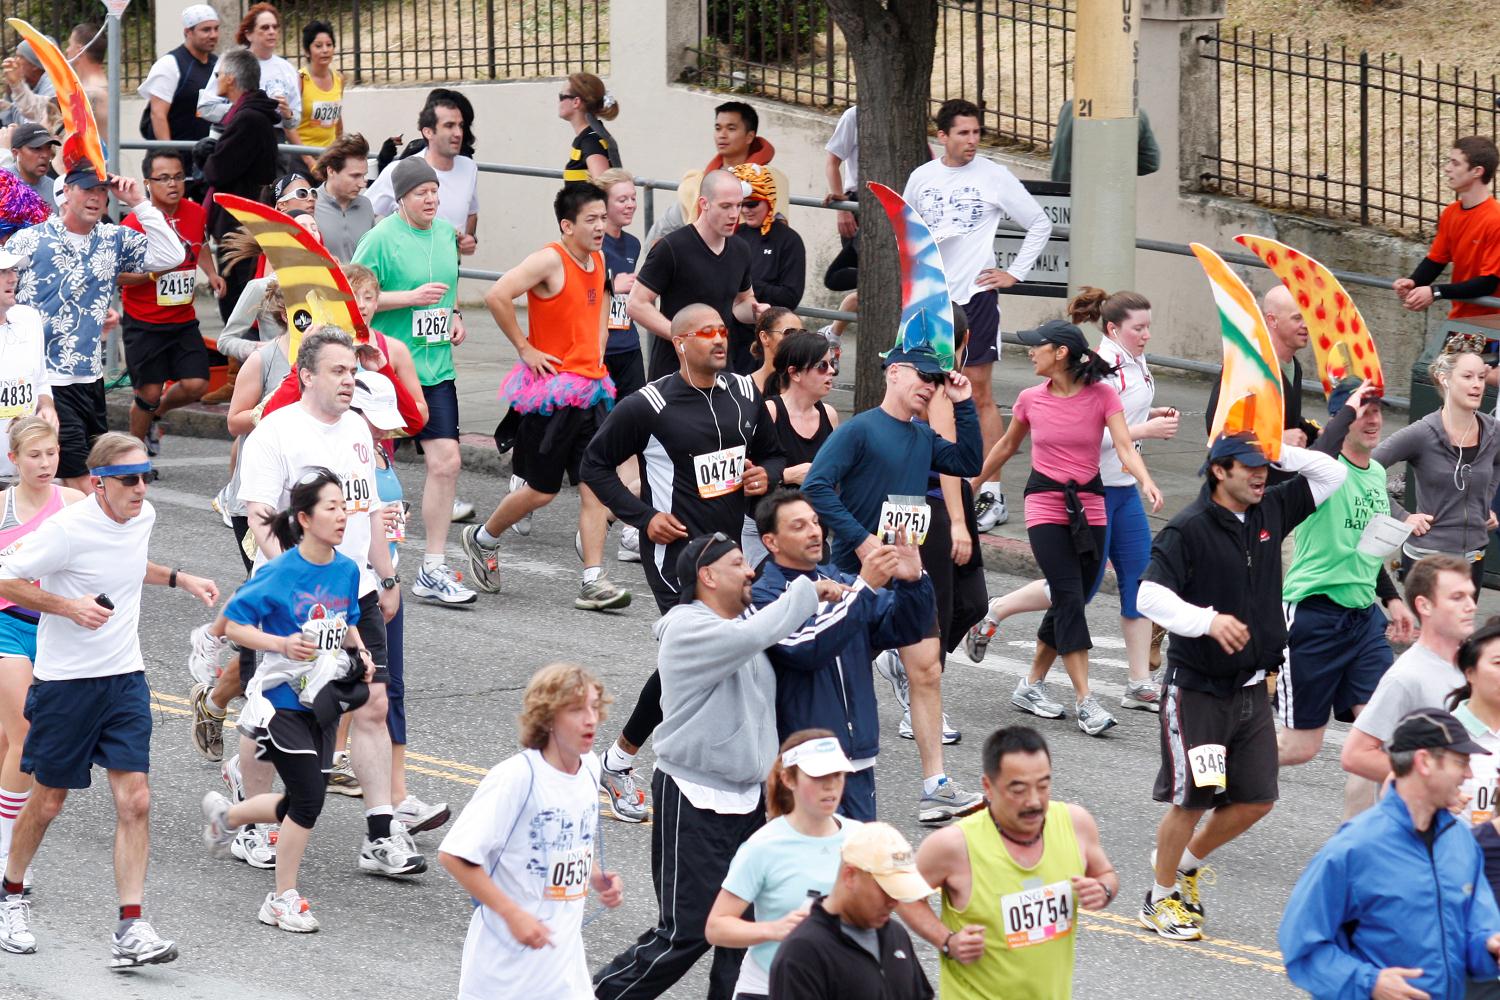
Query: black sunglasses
(824, 367)
(134, 478)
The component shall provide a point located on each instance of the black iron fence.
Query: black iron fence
(438, 41)
(1340, 133)
(1011, 58)
(58, 18)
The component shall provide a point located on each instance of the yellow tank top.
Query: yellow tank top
(1029, 915)
(321, 110)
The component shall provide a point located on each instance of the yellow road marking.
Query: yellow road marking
(1196, 946)
(1131, 922)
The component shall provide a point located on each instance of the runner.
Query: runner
(413, 255)
(773, 324)
(585, 104)
(701, 467)
(560, 387)
(1012, 879)
(25, 389)
(1218, 743)
(530, 891)
(622, 355)
(89, 703)
(786, 861)
(26, 506)
(300, 609)
(1476, 703)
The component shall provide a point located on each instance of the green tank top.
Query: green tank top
(1029, 915)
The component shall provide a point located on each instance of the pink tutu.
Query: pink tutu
(531, 393)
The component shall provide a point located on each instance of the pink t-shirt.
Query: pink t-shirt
(1065, 435)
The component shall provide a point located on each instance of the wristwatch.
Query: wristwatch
(390, 582)
(1437, 292)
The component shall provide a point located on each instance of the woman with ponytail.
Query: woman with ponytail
(1477, 705)
(786, 862)
(1066, 416)
(585, 104)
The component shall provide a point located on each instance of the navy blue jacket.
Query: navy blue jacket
(823, 674)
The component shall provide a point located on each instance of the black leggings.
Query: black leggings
(1069, 575)
(646, 715)
(843, 271)
(306, 784)
(962, 597)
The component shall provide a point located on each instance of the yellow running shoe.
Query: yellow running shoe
(1169, 918)
(1187, 887)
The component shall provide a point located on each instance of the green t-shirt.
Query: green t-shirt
(1326, 559)
(403, 258)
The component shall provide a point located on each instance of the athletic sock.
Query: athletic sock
(617, 760)
(430, 561)
(993, 486)
(592, 573)
(128, 915)
(11, 804)
(930, 785)
(10, 888)
(378, 822)
(1189, 862)
(1161, 892)
(483, 537)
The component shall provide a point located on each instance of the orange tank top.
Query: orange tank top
(567, 324)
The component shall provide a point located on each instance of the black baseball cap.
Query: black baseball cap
(1432, 729)
(84, 176)
(1241, 447)
(1341, 393)
(30, 135)
(921, 358)
(705, 550)
(1059, 332)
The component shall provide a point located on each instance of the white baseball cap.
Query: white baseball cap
(375, 398)
(196, 14)
(817, 758)
(13, 261)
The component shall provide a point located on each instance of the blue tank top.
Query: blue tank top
(388, 488)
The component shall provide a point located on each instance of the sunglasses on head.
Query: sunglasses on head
(134, 478)
(710, 332)
(714, 539)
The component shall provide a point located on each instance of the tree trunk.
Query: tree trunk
(891, 44)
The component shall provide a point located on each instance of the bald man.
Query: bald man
(699, 264)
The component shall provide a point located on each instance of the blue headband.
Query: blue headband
(120, 470)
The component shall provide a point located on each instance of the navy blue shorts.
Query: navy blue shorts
(983, 313)
(395, 688)
(77, 724)
(858, 802)
(442, 411)
(1335, 657)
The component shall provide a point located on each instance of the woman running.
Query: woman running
(23, 508)
(299, 610)
(775, 323)
(586, 105)
(1477, 706)
(322, 118)
(1066, 416)
(788, 862)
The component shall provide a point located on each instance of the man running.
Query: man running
(1012, 879)
(1218, 743)
(707, 452)
(871, 466)
(89, 703)
(75, 261)
(441, 123)
(560, 387)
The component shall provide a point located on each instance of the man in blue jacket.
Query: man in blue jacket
(823, 674)
(1396, 904)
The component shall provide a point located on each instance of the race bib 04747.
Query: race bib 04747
(719, 472)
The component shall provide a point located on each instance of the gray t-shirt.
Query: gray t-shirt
(867, 938)
(342, 227)
(1418, 679)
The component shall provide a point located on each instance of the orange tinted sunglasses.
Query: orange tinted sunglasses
(710, 332)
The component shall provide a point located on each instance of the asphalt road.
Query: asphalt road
(466, 669)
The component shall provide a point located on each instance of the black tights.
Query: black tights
(646, 715)
(306, 785)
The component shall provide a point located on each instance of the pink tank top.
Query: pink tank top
(9, 535)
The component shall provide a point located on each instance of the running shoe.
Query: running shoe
(1187, 888)
(153, 438)
(1036, 699)
(626, 802)
(15, 926)
(1143, 695)
(950, 735)
(208, 728)
(1158, 636)
(977, 639)
(888, 665)
(523, 526)
(462, 510)
(217, 833)
(601, 595)
(233, 782)
(1169, 918)
(484, 561)
(440, 585)
(1092, 718)
(220, 504)
(390, 856)
(990, 511)
(947, 801)
(341, 777)
(206, 654)
(140, 945)
(255, 844)
(289, 911)
(630, 544)
(417, 816)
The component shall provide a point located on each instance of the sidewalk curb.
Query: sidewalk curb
(1013, 556)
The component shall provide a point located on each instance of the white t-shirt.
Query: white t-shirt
(1132, 382)
(23, 373)
(1418, 679)
(82, 551)
(963, 207)
(458, 192)
(162, 80)
(845, 145)
(531, 827)
(289, 442)
(278, 78)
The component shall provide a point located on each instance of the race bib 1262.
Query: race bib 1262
(1036, 916)
(719, 472)
(431, 325)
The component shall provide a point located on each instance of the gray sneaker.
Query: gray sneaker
(625, 801)
(947, 801)
(484, 562)
(888, 665)
(1092, 718)
(1143, 695)
(140, 945)
(1034, 698)
(601, 595)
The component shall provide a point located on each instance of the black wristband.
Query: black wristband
(172, 579)
(944, 948)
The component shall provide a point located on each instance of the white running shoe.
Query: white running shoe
(15, 926)
(440, 585)
(630, 544)
(950, 735)
(888, 665)
(1036, 699)
(1092, 718)
(255, 845)
(217, 833)
(523, 526)
(289, 911)
(462, 510)
(235, 784)
(140, 945)
(390, 856)
(206, 654)
(990, 511)
(416, 815)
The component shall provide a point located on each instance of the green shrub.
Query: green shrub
(771, 31)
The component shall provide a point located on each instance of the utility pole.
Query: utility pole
(1106, 126)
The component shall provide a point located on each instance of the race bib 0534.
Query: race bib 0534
(568, 875)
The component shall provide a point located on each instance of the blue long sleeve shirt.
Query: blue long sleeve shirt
(1378, 895)
(873, 456)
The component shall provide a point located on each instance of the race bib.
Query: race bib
(1036, 916)
(568, 878)
(1481, 790)
(619, 319)
(357, 494)
(911, 513)
(17, 398)
(1207, 764)
(326, 112)
(431, 325)
(325, 634)
(719, 472)
(175, 288)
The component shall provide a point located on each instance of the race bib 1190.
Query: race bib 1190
(1036, 916)
(719, 472)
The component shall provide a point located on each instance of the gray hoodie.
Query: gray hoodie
(718, 690)
(1458, 516)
